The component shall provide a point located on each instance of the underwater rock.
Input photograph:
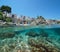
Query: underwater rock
(43, 33)
(35, 44)
(12, 46)
(49, 40)
(32, 33)
(42, 47)
(5, 48)
(7, 35)
(18, 32)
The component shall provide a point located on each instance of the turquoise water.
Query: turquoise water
(30, 38)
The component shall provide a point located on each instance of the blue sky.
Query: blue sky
(50, 9)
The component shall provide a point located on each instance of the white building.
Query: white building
(14, 18)
(7, 14)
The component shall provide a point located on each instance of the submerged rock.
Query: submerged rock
(43, 33)
(7, 35)
(41, 46)
(36, 46)
(32, 33)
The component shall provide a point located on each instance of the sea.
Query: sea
(42, 38)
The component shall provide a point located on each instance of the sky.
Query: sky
(49, 9)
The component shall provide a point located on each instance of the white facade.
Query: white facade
(14, 18)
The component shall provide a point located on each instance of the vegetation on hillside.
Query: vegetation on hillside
(6, 9)
(1, 16)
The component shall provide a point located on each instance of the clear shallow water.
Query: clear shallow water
(30, 38)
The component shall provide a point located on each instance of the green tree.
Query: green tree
(41, 17)
(0, 9)
(8, 19)
(5, 8)
(4, 18)
(1, 16)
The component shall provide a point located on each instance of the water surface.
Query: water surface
(25, 37)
